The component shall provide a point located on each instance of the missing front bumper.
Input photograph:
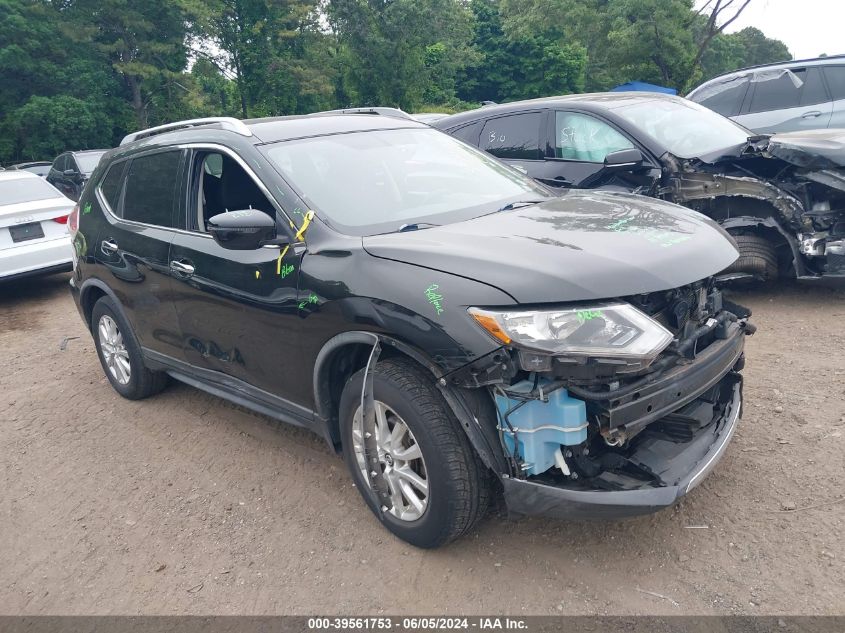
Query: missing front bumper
(691, 463)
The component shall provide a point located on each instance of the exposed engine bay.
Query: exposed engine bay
(788, 188)
(592, 424)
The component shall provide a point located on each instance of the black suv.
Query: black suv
(449, 325)
(71, 170)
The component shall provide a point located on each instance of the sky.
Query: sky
(808, 27)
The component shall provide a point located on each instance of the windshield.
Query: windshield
(686, 129)
(380, 180)
(25, 190)
(88, 162)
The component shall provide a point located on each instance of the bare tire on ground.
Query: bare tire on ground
(757, 257)
(438, 487)
(120, 353)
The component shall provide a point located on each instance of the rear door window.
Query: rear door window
(150, 192)
(586, 138)
(813, 91)
(784, 89)
(515, 136)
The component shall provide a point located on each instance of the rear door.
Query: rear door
(237, 309)
(787, 100)
(57, 178)
(140, 198)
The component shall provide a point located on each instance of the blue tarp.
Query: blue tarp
(641, 86)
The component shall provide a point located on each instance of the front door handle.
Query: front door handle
(108, 247)
(811, 115)
(182, 268)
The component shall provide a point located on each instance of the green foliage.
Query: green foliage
(82, 73)
(522, 66)
(47, 126)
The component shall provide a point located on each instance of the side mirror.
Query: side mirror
(623, 160)
(243, 230)
(69, 173)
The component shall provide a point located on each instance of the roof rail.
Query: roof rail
(226, 122)
(780, 63)
(383, 111)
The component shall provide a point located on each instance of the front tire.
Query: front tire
(120, 353)
(757, 256)
(417, 434)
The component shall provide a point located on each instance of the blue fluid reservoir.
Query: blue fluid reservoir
(542, 427)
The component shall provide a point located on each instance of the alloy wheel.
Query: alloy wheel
(114, 350)
(401, 460)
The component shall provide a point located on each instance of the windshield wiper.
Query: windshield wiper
(415, 226)
(519, 203)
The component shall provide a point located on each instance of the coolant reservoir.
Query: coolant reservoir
(542, 427)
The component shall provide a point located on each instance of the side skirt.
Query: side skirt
(234, 390)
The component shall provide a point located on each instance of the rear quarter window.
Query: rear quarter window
(111, 186)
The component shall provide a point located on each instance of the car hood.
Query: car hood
(811, 149)
(584, 245)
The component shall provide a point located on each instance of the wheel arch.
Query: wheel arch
(347, 352)
(93, 290)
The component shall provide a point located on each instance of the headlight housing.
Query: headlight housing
(604, 331)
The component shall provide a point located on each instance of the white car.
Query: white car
(34, 236)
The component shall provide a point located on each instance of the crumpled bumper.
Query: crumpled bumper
(695, 459)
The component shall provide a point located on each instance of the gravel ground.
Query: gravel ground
(186, 504)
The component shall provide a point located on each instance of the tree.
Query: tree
(145, 43)
(400, 53)
(518, 67)
(274, 52)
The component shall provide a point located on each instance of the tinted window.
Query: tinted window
(586, 138)
(25, 190)
(835, 76)
(725, 97)
(777, 90)
(150, 190)
(110, 186)
(516, 136)
(60, 162)
(813, 91)
(468, 133)
(71, 164)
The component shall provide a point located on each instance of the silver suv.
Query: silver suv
(795, 95)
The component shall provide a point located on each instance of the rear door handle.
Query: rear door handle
(811, 115)
(182, 268)
(108, 247)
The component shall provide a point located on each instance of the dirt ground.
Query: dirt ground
(186, 504)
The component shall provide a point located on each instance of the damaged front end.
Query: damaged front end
(789, 188)
(628, 410)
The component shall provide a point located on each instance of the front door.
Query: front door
(237, 309)
(580, 145)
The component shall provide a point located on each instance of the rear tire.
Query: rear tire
(120, 353)
(458, 485)
(757, 257)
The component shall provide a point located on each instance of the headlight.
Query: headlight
(602, 331)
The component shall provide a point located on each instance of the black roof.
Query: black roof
(286, 128)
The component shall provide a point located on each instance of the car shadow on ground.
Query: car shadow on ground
(47, 287)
